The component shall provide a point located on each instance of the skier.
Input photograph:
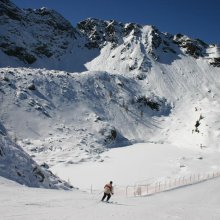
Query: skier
(108, 191)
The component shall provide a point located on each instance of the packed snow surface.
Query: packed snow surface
(197, 202)
(139, 164)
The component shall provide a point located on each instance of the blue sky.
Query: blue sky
(195, 18)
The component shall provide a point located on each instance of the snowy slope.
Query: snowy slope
(17, 165)
(198, 202)
(76, 114)
(65, 119)
(139, 164)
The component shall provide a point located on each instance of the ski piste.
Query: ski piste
(115, 203)
(110, 202)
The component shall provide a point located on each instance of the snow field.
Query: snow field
(140, 164)
(197, 202)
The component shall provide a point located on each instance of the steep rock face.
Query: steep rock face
(214, 53)
(215, 62)
(17, 165)
(100, 32)
(195, 48)
(198, 49)
(10, 10)
(32, 34)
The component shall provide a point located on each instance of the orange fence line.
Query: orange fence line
(161, 186)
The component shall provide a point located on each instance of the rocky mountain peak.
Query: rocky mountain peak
(32, 36)
(50, 17)
(101, 32)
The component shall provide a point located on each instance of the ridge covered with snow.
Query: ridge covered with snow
(43, 38)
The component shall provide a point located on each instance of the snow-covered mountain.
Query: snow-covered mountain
(67, 94)
(43, 38)
(76, 112)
